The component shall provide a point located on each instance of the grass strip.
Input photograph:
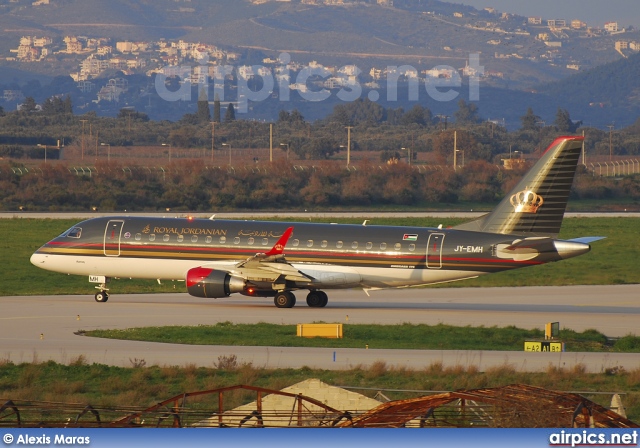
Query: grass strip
(405, 336)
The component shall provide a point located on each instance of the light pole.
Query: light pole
(108, 145)
(169, 145)
(408, 154)
(229, 145)
(45, 152)
(462, 151)
(287, 145)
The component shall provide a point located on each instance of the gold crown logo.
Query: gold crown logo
(526, 201)
(147, 229)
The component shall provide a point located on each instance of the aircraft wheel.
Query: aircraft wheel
(325, 299)
(315, 298)
(284, 299)
(102, 296)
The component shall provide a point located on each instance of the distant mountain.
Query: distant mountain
(609, 92)
(420, 33)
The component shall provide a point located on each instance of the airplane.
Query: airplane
(218, 258)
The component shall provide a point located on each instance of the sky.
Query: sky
(593, 12)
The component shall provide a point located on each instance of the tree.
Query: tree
(564, 123)
(296, 117)
(216, 108)
(29, 105)
(230, 114)
(467, 113)
(204, 114)
(1, 111)
(417, 115)
(131, 114)
(529, 121)
(284, 116)
(68, 105)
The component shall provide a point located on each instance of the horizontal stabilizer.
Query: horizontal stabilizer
(587, 239)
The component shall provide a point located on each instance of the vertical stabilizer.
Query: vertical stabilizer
(537, 203)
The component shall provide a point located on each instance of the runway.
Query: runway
(42, 327)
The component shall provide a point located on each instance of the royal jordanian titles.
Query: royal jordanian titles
(217, 258)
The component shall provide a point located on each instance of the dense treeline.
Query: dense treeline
(382, 140)
(194, 186)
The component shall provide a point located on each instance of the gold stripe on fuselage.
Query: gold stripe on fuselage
(290, 259)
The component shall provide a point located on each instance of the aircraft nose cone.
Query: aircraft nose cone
(569, 249)
(37, 259)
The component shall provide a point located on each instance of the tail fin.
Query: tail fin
(536, 205)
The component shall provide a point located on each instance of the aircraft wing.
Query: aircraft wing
(271, 265)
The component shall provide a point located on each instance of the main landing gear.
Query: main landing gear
(315, 299)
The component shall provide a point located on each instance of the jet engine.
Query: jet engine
(212, 284)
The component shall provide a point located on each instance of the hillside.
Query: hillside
(419, 33)
(614, 88)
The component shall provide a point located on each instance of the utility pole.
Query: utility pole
(271, 143)
(584, 155)
(213, 133)
(611, 126)
(83, 123)
(349, 145)
(455, 150)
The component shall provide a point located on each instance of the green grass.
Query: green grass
(612, 261)
(405, 336)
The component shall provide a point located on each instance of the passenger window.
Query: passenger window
(165, 238)
(324, 243)
(194, 239)
(180, 238)
(310, 243)
(296, 243)
(383, 246)
(397, 246)
(152, 237)
(236, 240)
(339, 244)
(208, 239)
(223, 239)
(369, 245)
(251, 241)
(354, 245)
(75, 232)
(138, 236)
(412, 247)
(265, 241)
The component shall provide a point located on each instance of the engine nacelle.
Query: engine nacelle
(212, 284)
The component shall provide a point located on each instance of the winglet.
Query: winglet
(278, 248)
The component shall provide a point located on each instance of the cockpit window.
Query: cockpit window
(74, 232)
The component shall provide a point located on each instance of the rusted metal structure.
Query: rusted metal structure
(515, 405)
(174, 412)
(509, 406)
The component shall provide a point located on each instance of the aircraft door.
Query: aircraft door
(434, 250)
(112, 236)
